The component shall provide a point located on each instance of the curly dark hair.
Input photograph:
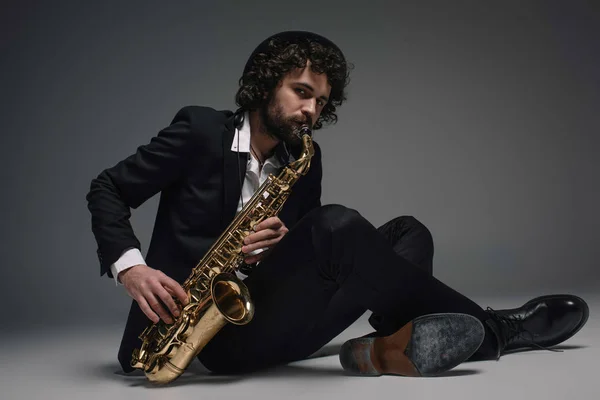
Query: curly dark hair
(276, 56)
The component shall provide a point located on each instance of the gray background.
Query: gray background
(478, 118)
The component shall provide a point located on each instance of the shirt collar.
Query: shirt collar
(241, 137)
(241, 141)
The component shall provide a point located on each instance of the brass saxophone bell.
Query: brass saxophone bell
(232, 298)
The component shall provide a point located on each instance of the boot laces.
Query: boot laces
(512, 329)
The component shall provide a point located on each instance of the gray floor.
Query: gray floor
(81, 364)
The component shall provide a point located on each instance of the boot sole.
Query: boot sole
(427, 346)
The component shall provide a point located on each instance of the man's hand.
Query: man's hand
(149, 286)
(266, 235)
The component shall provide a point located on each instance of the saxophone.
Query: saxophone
(216, 296)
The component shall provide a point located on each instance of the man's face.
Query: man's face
(298, 100)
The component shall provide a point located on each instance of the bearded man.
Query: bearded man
(312, 270)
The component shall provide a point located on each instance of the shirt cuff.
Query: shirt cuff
(128, 259)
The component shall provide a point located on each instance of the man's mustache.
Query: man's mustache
(307, 121)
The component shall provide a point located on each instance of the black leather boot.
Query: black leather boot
(541, 322)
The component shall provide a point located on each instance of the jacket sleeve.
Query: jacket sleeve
(128, 184)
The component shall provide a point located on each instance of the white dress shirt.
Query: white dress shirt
(252, 181)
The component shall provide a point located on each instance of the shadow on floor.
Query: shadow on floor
(196, 373)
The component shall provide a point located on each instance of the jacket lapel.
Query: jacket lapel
(234, 171)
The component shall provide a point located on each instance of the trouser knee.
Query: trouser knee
(333, 218)
(336, 225)
(335, 232)
(410, 239)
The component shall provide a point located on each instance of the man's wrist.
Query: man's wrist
(128, 259)
(121, 276)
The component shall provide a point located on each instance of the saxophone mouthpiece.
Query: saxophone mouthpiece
(305, 130)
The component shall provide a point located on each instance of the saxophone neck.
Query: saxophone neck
(302, 164)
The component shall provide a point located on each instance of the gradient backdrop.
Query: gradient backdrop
(479, 118)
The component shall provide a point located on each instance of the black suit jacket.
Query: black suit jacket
(191, 165)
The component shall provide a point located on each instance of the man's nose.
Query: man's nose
(310, 108)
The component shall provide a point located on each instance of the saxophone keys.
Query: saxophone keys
(161, 328)
(195, 295)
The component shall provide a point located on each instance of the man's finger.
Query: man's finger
(272, 222)
(259, 245)
(262, 235)
(146, 309)
(168, 301)
(158, 308)
(255, 258)
(176, 290)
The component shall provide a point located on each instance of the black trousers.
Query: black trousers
(330, 269)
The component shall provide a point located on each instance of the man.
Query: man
(311, 271)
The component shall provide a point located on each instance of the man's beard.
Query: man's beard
(287, 130)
